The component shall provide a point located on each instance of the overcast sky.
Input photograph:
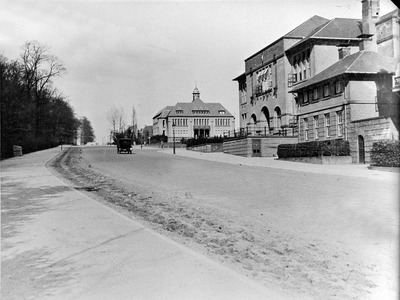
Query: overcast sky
(149, 54)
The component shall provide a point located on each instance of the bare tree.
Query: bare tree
(116, 117)
(134, 122)
(121, 120)
(112, 118)
(39, 68)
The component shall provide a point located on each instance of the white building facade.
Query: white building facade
(196, 119)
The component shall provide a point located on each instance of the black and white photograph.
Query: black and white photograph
(200, 150)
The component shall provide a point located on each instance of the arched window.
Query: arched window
(254, 118)
(265, 113)
(277, 118)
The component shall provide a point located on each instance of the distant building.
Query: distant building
(195, 119)
(147, 133)
(160, 121)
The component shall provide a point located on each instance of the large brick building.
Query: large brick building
(327, 79)
(353, 98)
(195, 119)
(265, 104)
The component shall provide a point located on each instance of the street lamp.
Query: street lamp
(173, 135)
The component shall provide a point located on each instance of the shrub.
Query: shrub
(203, 141)
(385, 153)
(314, 149)
(158, 138)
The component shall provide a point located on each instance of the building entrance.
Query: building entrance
(361, 150)
(201, 131)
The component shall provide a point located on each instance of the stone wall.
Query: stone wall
(322, 160)
(207, 148)
(238, 147)
(371, 130)
(269, 145)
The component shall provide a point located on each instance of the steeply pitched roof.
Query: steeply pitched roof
(187, 109)
(299, 32)
(362, 62)
(339, 28)
(307, 27)
(163, 112)
(335, 29)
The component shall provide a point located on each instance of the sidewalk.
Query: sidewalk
(351, 170)
(59, 244)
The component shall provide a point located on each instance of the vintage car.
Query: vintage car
(124, 145)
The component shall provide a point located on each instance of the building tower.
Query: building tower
(196, 93)
(370, 14)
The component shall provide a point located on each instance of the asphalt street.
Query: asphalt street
(59, 244)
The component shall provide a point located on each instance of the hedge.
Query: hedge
(314, 149)
(204, 141)
(385, 153)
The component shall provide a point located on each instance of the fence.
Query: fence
(256, 131)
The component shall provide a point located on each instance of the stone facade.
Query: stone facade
(353, 98)
(369, 131)
(265, 103)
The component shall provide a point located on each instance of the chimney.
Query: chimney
(370, 14)
(344, 52)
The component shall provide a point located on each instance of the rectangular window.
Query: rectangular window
(316, 128)
(339, 118)
(305, 97)
(294, 78)
(338, 87)
(306, 129)
(326, 90)
(300, 99)
(327, 125)
(315, 94)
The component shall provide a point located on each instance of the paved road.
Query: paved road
(315, 202)
(104, 255)
(59, 244)
(344, 209)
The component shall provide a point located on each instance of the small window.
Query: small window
(326, 90)
(306, 129)
(316, 127)
(339, 117)
(315, 94)
(305, 97)
(300, 98)
(338, 87)
(327, 124)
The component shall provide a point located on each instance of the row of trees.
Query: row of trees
(34, 114)
(116, 118)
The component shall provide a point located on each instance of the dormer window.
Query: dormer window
(221, 112)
